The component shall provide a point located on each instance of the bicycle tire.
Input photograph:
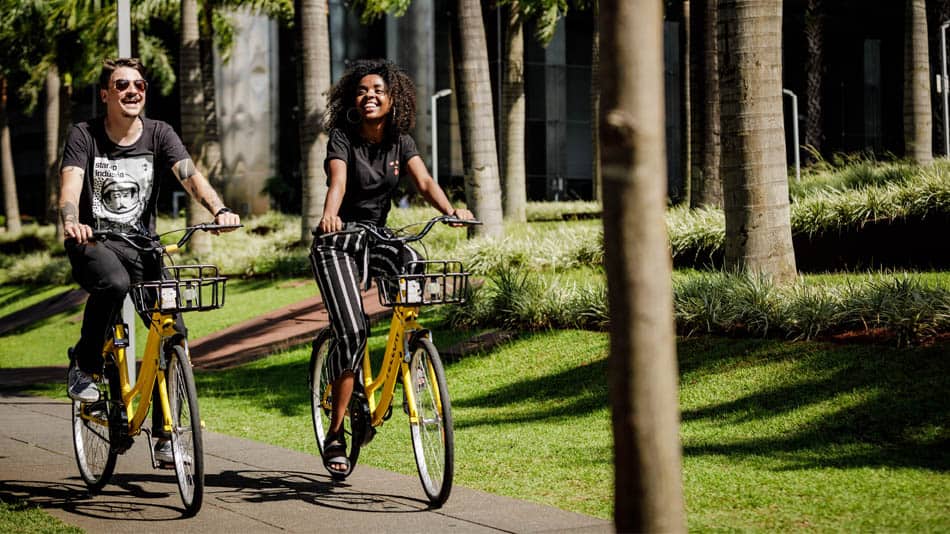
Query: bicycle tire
(320, 407)
(95, 455)
(433, 439)
(187, 449)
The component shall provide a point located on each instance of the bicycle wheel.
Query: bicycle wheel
(95, 455)
(186, 429)
(321, 403)
(432, 437)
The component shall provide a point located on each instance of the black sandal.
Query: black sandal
(334, 453)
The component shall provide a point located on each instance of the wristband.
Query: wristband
(223, 210)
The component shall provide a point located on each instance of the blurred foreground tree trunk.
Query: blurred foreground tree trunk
(648, 488)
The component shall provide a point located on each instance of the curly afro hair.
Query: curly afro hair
(402, 116)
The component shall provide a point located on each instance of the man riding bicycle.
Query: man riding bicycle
(110, 174)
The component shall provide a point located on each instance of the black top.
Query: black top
(119, 187)
(372, 174)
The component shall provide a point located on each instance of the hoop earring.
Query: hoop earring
(353, 116)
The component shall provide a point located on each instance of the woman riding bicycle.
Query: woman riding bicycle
(370, 113)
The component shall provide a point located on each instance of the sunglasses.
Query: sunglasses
(122, 84)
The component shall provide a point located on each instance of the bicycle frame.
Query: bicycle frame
(395, 365)
(162, 327)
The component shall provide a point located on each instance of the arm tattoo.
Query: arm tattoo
(186, 169)
(69, 213)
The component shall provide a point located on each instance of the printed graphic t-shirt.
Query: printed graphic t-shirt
(372, 174)
(120, 189)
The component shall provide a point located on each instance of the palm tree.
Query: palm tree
(648, 488)
(705, 179)
(755, 181)
(918, 122)
(814, 72)
(191, 89)
(11, 206)
(513, 125)
(313, 38)
(474, 100)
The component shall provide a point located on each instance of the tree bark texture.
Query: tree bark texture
(686, 134)
(477, 129)
(212, 138)
(11, 204)
(755, 179)
(515, 193)
(938, 11)
(596, 189)
(192, 116)
(648, 491)
(51, 111)
(814, 74)
(918, 121)
(706, 180)
(313, 83)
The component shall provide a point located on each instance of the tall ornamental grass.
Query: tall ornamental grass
(903, 308)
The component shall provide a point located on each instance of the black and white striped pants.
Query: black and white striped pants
(338, 262)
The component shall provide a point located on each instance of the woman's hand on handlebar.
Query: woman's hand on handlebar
(330, 223)
(82, 233)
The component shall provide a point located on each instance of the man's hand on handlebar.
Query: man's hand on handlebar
(227, 218)
(82, 233)
(463, 214)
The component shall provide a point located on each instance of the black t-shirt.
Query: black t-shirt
(372, 174)
(120, 189)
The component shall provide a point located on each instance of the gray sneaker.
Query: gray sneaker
(164, 455)
(163, 451)
(81, 386)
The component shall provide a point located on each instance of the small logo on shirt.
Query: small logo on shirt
(395, 165)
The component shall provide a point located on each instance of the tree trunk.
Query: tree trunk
(313, 39)
(814, 74)
(11, 205)
(193, 116)
(755, 179)
(51, 155)
(595, 105)
(938, 11)
(516, 194)
(706, 180)
(477, 130)
(648, 491)
(686, 134)
(212, 139)
(918, 125)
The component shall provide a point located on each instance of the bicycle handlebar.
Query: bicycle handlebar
(168, 249)
(445, 219)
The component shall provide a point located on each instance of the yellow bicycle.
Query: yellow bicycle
(105, 428)
(411, 359)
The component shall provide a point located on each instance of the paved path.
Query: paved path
(250, 487)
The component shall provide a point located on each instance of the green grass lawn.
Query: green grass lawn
(776, 435)
(46, 341)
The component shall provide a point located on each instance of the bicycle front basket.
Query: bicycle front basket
(428, 282)
(183, 288)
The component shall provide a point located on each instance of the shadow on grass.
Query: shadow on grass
(887, 406)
